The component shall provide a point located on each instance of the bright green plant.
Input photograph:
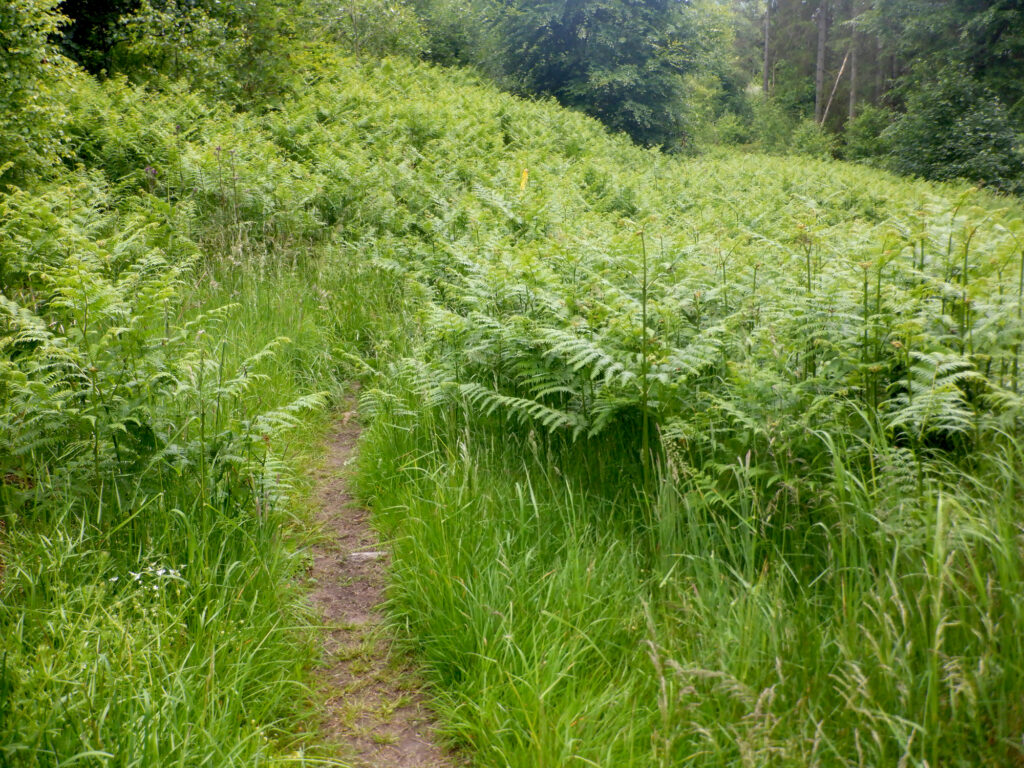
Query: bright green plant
(741, 491)
(34, 78)
(178, 40)
(375, 28)
(820, 352)
(237, 51)
(811, 139)
(862, 136)
(772, 127)
(454, 30)
(149, 402)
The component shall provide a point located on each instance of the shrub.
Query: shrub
(772, 126)
(454, 30)
(718, 112)
(623, 63)
(238, 51)
(954, 128)
(863, 137)
(730, 128)
(374, 27)
(811, 139)
(94, 28)
(178, 40)
(32, 78)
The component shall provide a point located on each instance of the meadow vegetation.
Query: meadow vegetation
(709, 462)
(706, 461)
(166, 360)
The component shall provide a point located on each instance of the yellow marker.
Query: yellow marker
(523, 178)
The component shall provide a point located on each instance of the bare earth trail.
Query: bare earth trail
(375, 711)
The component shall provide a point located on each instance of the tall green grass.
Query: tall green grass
(166, 362)
(569, 623)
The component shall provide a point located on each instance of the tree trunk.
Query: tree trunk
(835, 86)
(853, 76)
(821, 16)
(879, 72)
(767, 37)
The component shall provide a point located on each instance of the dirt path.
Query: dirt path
(375, 710)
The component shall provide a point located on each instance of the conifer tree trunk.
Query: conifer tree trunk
(853, 76)
(821, 16)
(879, 74)
(767, 37)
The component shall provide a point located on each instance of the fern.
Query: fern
(523, 410)
(935, 400)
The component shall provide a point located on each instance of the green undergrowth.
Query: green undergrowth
(155, 411)
(705, 462)
(164, 375)
(711, 462)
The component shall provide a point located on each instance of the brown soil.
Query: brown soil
(375, 710)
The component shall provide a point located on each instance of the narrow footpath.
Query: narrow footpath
(375, 710)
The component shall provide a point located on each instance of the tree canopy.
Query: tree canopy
(622, 62)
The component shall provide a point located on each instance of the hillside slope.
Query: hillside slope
(684, 461)
(688, 461)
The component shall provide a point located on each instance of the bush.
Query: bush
(811, 139)
(178, 40)
(717, 109)
(730, 128)
(772, 126)
(454, 30)
(94, 28)
(623, 63)
(374, 27)
(955, 128)
(863, 137)
(33, 79)
(238, 51)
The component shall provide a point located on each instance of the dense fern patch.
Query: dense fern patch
(689, 461)
(712, 461)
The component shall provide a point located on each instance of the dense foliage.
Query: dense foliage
(33, 77)
(156, 346)
(735, 436)
(621, 62)
(624, 63)
(93, 30)
(673, 74)
(980, 144)
(233, 49)
(681, 461)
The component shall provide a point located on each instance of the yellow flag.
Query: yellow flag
(523, 178)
